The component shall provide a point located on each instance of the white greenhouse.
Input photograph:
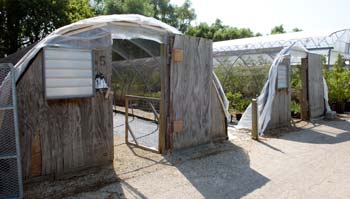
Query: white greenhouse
(259, 67)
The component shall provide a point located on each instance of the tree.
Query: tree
(25, 22)
(297, 30)
(278, 30)
(184, 15)
(128, 7)
(219, 32)
(176, 16)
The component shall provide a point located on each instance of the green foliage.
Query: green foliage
(278, 30)
(246, 80)
(295, 107)
(296, 78)
(338, 82)
(176, 16)
(184, 15)
(128, 7)
(218, 32)
(25, 22)
(237, 101)
(242, 82)
(297, 30)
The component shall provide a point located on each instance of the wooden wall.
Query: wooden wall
(315, 86)
(281, 113)
(194, 109)
(312, 99)
(218, 122)
(60, 136)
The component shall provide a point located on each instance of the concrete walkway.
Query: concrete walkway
(313, 162)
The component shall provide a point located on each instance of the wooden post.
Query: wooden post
(254, 120)
(163, 100)
(304, 90)
(126, 119)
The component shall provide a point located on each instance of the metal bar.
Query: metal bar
(126, 119)
(18, 150)
(321, 48)
(142, 98)
(144, 148)
(132, 135)
(329, 58)
(154, 111)
(7, 108)
(248, 51)
(8, 157)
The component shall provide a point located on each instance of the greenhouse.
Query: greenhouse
(245, 67)
(114, 77)
(329, 44)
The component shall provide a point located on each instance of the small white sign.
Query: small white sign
(282, 76)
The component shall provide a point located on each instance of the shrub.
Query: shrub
(338, 82)
(237, 101)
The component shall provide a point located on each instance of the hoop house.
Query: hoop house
(71, 84)
(244, 65)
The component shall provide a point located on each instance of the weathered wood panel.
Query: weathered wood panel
(74, 133)
(315, 82)
(281, 114)
(304, 90)
(218, 122)
(191, 93)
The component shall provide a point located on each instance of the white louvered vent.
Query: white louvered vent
(68, 73)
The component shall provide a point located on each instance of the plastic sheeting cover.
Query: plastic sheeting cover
(93, 33)
(98, 32)
(222, 95)
(267, 94)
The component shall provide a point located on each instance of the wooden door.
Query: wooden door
(315, 86)
(190, 91)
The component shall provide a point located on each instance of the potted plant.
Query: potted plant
(338, 86)
(295, 109)
(238, 103)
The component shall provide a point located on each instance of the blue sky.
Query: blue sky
(262, 15)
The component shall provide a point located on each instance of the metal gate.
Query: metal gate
(10, 162)
(142, 122)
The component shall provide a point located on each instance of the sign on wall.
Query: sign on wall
(282, 76)
(68, 73)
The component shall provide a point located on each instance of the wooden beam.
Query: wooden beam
(163, 100)
(305, 116)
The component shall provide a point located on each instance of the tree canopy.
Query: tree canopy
(219, 32)
(177, 16)
(278, 30)
(25, 22)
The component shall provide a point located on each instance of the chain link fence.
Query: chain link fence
(10, 168)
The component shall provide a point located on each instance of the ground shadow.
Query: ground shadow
(321, 132)
(220, 170)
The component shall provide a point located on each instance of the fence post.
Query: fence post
(255, 135)
(126, 119)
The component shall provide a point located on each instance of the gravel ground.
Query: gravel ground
(311, 161)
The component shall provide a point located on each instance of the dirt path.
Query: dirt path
(311, 163)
